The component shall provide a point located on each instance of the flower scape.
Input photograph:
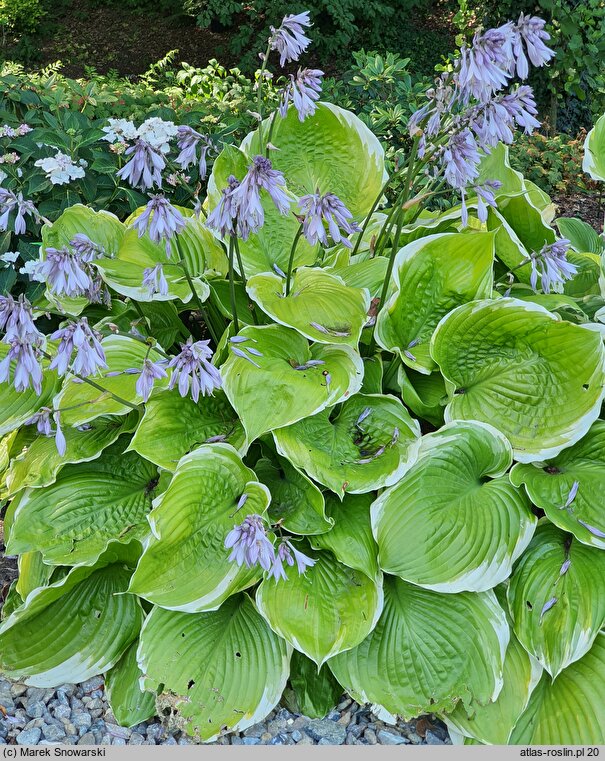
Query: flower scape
(312, 417)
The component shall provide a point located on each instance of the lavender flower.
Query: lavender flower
(64, 273)
(530, 30)
(10, 202)
(144, 170)
(250, 544)
(288, 553)
(547, 606)
(187, 141)
(484, 69)
(154, 280)
(486, 198)
(593, 530)
(289, 40)
(151, 372)
(78, 336)
(551, 264)
(162, 219)
(25, 353)
(521, 106)
(318, 209)
(461, 159)
(16, 318)
(42, 421)
(192, 369)
(60, 442)
(223, 216)
(85, 248)
(303, 91)
(249, 209)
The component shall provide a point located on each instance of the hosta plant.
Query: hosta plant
(298, 435)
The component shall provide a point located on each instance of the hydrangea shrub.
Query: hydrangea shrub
(297, 433)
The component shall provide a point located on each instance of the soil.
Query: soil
(8, 568)
(590, 208)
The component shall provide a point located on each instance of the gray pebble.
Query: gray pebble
(92, 684)
(17, 689)
(390, 738)
(334, 716)
(432, 739)
(29, 736)
(169, 741)
(370, 737)
(136, 739)
(81, 720)
(117, 731)
(87, 739)
(296, 735)
(237, 740)
(251, 741)
(63, 713)
(118, 741)
(53, 733)
(35, 709)
(325, 729)
(256, 730)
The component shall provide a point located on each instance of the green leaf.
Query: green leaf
(427, 652)
(557, 608)
(582, 237)
(527, 222)
(425, 395)
(514, 365)
(570, 710)
(350, 456)
(71, 630)
(102, 227)
(454, 522)
(33, 573)
(39, 462)
(218, 669)
(295, 500)
(87, 403)
(328, 609)
(351, 538)
(431, 276)
(495, 165)
(494, 722)
(18, 406)
(276, 385)
(316, 298)
(345, 158)
(369, 274)
(550, 484)
(128, 702)
(126, 278)
(174, 425)
(89, 505)
(594, 151)
(185, 565)
(316, 692)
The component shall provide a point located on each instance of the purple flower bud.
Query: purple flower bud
(187, 141)
(289, 40)
(242, 501)
(530, 30)
(222, 217)
(366, 413)
(547, 606)
(10, 202)
(144, 170)
(193, 372)
(565, 567)
(27, 370)
(243, 355)
(151, 372)
(594, 531)
(16, 318)
(461, 159)
(328, 208)
(154, 280)
(303, 91)
(42, 421)
(279, 271)
(572, 494)
(286, 552)
(484, 69)
(162, 219)
(250, 544)
(85, 248)
(78, 337)
(60, 442)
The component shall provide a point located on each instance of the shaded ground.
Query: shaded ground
(590, 208)
(8, 568)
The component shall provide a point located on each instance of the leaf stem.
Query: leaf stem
(291, 259)
(232, 284)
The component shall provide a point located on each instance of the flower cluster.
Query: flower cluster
(60, 169)
(191, 370)
(328, 208)
(11, 202)
(289, 39)
(12, 132)
(44, 427)
(79, 338)
(250, 545)
(161, 220)
(551, 266)
(25, 344)
(303, 91)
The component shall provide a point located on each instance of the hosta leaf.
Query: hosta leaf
(315, 692)
(33, 572)
(495, 165)
(511, 363)
(346, 157)
(89, 505)
(570, 710)
(328, 609)
(550, 485)
(316, 298)
(71, 630)
(509, 248)
(494, 722)
(557, 606)
(273, 242)
(295, 500)
(185, 565)
(427, 652)
(275, 394)
(369, 273)
(39, 462)
(431, 276)
(527, 222)
(18, 406)
(174, 425)
(126, 278)
(586, 280)
(454, 522)
(12, 601)
(351, 538)
(425, 395)
(594, 151)
(218, 669)
(582, 237)
(87, 403)
(348, 452)
(129, 704)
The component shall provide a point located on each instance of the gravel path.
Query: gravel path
(79, 715)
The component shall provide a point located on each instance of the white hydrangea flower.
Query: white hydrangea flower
(157, 133)
(10, 257)
(60, 169)
(32, 270)
(119, 130)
